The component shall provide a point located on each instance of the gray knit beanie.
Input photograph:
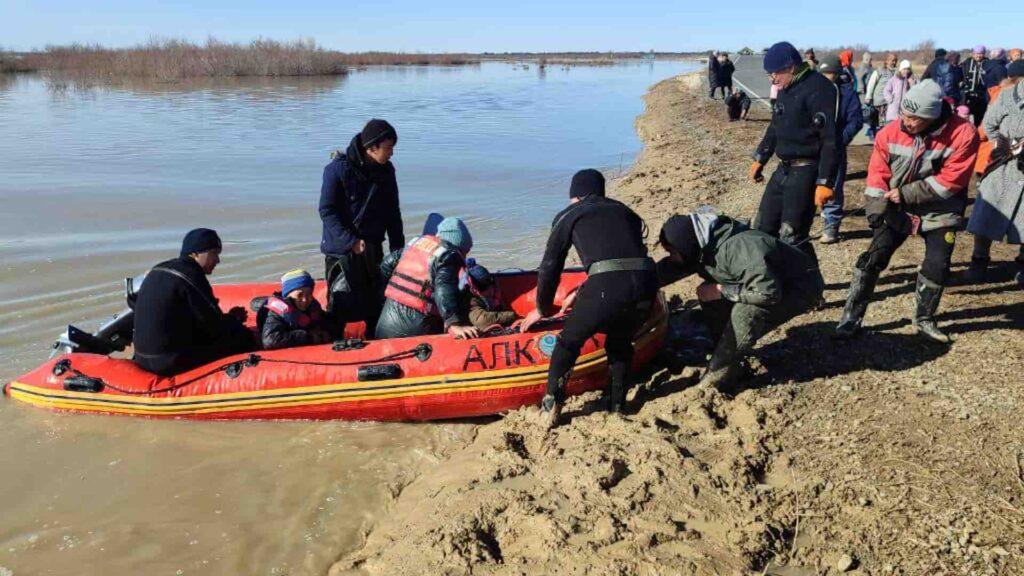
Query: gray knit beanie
(923, 100)
(454, 231)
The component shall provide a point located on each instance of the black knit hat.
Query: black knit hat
(940, 52)
(377, 131)
(200, 240)
(679, 233)
(585, 183)
(780, 56)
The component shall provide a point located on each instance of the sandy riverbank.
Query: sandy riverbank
(900, 455)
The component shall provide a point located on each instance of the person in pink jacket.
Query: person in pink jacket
(896, 88)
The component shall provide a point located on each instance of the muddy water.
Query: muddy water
(99, 184)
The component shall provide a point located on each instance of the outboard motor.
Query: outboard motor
(113, 336)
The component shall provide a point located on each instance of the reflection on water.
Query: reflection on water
(101, 183)
(253, 87)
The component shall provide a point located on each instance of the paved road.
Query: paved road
(750, 78)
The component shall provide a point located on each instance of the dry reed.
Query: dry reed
(178, 59)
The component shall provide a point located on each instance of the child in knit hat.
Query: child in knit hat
(293, 316)
(486, 306)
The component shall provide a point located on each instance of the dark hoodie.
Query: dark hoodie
(359, 200)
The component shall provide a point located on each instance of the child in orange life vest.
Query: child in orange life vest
(486, 308)
(294, 317)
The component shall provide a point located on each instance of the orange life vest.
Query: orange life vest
(985, 148)
(411, 284)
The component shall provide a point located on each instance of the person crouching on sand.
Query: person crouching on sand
(753, 283)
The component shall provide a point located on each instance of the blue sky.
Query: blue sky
(524, 25)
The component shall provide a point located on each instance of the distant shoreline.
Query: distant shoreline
(170, 60)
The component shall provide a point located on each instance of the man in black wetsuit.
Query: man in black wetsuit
(622, 284)
(802, 134)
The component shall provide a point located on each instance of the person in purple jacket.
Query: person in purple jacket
(849, 121)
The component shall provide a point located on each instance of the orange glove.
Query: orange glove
(822, 194)
(755, 172)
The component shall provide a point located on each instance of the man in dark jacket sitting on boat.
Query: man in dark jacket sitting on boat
(753, 283)
(358, 207)
(178, 323)
(422, 285)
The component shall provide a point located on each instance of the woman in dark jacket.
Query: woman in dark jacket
(358, 207)
(713, 73)
(721, 70)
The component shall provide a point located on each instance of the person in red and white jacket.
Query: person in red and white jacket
(917, 185)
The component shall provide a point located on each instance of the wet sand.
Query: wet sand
(885, 455)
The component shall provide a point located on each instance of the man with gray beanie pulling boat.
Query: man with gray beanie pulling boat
(917, 185)
(616, 298)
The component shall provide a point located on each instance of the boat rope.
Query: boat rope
(82, 382)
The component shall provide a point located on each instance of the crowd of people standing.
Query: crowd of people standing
(927, 134)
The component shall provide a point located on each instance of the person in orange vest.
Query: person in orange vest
(422, 293)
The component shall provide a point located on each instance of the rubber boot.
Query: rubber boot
(618, 383)
(862, 286)
(977, 271)
(928, 296)
(1020, 269)
(829, 235)
(551, 411)
(563, 360)
(725, 367)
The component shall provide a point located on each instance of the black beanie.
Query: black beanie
(1015, 69)
(200, 240)
(585, 183)
(679, 233)
(377, 131)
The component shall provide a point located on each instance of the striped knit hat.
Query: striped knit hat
(295, 280)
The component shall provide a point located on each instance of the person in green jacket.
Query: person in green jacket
(753, 283)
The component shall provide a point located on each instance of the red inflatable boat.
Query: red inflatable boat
(420, 378)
